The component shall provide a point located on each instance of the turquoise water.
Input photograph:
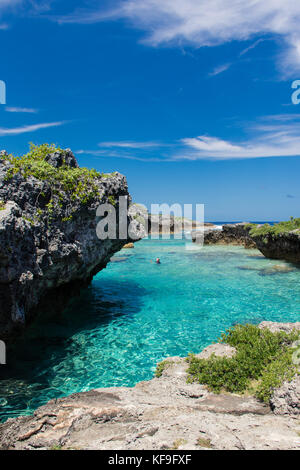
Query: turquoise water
(135, 313)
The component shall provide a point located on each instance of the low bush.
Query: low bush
(276, 229)
(262, 362)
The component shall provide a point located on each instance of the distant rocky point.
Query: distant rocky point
(163, 224)
(231, 234)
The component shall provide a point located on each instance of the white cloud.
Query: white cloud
(15, 109)
(116, 154)
(4, 131)
(252, 46)
(270, 136)
(211, 145)
(282, 117)
(9, 4)
(206, 22)
(6, 3)
(220, 69)
(278, 140)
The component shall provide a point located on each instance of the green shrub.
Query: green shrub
(262, 356)
(276, 229)
(278, 371)
(161, 366)
(111, 200)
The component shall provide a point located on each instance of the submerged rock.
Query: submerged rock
(270, 271)
(48, 239)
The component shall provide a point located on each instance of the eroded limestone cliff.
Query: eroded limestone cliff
(48, 239)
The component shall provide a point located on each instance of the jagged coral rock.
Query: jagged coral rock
(48, 238)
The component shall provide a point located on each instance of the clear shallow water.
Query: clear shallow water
(136, 313)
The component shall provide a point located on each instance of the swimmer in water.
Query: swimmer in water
(157, 261)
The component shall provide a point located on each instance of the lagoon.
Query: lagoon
(135, 313)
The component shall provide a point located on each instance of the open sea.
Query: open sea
(135, 313)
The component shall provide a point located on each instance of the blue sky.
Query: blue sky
(191, 100)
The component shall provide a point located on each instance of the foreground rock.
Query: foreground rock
(48, 251)
(231, 234)
(163, 413)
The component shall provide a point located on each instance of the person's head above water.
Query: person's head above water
(157, 261)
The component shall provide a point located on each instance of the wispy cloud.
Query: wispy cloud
(23, 8)
(252, 46)
(220, 69)
(15, 109)
(205, 22)
(122, 155)
(9, 5)
(269, 140)
(5, 131)
(129, 144)
(270, 136)
(282, 117)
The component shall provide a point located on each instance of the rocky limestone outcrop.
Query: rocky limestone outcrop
(159, 224)
(278, 326)
(44, 256)
(163, 413)
(284, 246)
(286, 399)
(231, 234)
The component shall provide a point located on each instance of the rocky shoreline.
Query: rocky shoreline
(231, 234)
(163, 413)
(282, 246)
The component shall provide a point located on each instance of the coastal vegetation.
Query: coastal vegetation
(161, 367)
(276, 229)
(263, 361)
(66, 183)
